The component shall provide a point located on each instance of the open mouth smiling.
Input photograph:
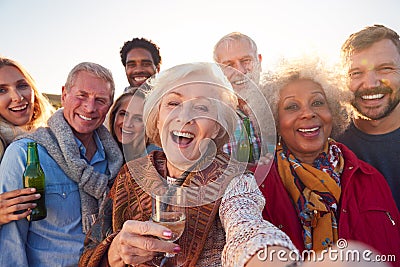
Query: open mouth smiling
(182, 138)
(239, 82)
(126, 131)
(85, 118)
(372, 97)
(19, 108)
(140, 79)
(309, 131)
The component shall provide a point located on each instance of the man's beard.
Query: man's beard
(392, 104)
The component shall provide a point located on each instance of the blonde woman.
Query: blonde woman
(22, 109)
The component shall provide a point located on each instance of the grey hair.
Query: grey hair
(95, 69)
(233, 37)
(172, 78)
(310, 68)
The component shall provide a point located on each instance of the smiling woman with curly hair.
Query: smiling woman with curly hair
(318, 191)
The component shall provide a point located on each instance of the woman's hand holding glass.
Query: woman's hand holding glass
(168, 210)
(139, 242)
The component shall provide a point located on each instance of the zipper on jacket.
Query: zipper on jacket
(390, 218)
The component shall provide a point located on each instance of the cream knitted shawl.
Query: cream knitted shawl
(58, 139)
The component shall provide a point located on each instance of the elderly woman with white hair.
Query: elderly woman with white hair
(190, 113)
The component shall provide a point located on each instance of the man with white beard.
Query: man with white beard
(238, 56)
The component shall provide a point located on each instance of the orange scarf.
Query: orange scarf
(315, 190)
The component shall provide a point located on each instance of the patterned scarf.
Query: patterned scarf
(315, 191)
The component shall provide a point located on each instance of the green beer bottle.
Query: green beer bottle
(34, 177)
(245, 145)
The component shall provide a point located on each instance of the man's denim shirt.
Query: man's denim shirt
(58, 239)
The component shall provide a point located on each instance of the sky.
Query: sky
(50, 37)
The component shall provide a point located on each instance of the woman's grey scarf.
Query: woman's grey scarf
(59, 141)
(8, 133)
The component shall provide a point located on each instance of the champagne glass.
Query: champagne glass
(168, 210)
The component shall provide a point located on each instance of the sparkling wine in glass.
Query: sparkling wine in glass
(169, 211)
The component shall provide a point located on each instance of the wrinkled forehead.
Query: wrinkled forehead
(201, 83)
(197, 90)
(231, 49)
